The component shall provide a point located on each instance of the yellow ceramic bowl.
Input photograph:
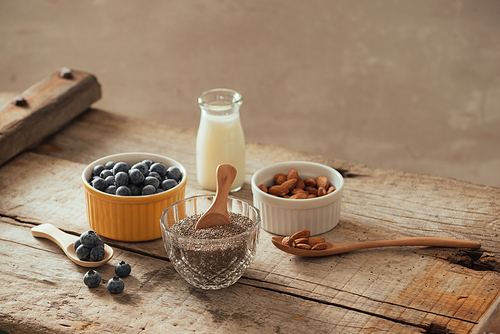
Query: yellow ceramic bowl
(129, 218)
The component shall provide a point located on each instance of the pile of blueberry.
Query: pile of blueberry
(89, 247)
(92, 278)
(143, 178)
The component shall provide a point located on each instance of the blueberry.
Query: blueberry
(105, 173)
(123, 191)
(155, 174)
(159, 168)
(77, 243)
(97, 170)
(135, 190)
(148, 190)
(115, 285)
(142, 167)
(159, 190)
(97, 253)
(174, 173)
(111, 190)
(168, 184)
(110, 180)
(99, 183)
(147, 162)
(89, 238)
(92, 279)
(136, 177)
(109, 165)
(152, 181)
(121, 179)
(121, 167)
(123, 269)
(83, 253)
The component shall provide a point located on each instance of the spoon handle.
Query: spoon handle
(54, 234)
(418, 241)
(225, 177)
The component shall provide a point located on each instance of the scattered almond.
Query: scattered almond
(303, 246)
(301, 234)
(288, 241)
(319, 246)
(316, 240)
(302, 241)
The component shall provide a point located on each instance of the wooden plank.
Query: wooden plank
(421, 288)
(48, 105)
(43, 292)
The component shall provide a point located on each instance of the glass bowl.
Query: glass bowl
(210, 263)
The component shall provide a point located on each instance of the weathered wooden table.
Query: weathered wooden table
(396, 290)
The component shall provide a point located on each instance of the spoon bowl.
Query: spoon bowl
(217, 213)
(333, 248)
(65, 241)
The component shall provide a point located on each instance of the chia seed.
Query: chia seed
(205, 256)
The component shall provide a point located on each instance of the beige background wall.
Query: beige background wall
(410, 85)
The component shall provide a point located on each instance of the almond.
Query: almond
(299, 195)
(302, 241)
(301, 234)
(330, 190)
(292, 174)
(279, 178)
(263, 188)
(278, 190)
(316, 240)
(310, 183)
(298, 190)
(322, 181)
(289, 184)
(321, 191)
(303, 246)
(319, 246)
(312, 190)
(311, 196)
(300, 183)
(288, 241)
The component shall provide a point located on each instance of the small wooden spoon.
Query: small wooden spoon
(65, 241)
(344, 247)
(217, 212)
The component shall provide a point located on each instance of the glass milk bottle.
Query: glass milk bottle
(220, 137)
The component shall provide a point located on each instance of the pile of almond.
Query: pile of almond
(303, 240)
(292, 186)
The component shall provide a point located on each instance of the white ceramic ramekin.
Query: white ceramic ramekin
(285, 216)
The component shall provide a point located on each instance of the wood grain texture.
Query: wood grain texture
(51, 103)
(395, 290)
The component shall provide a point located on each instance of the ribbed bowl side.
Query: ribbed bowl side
(128, 221)
(288, 221)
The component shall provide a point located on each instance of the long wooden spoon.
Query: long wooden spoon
(217, 212)
(342, 247)
(65, 241)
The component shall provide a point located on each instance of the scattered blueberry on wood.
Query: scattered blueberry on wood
(123, 269)
(115, 285)
(143, 178)
(92, 279)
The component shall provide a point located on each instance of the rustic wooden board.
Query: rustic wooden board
(49, 105)
(396, 290)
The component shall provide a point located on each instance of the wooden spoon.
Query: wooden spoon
(217, 212)
(65, 241)
(343, 247)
